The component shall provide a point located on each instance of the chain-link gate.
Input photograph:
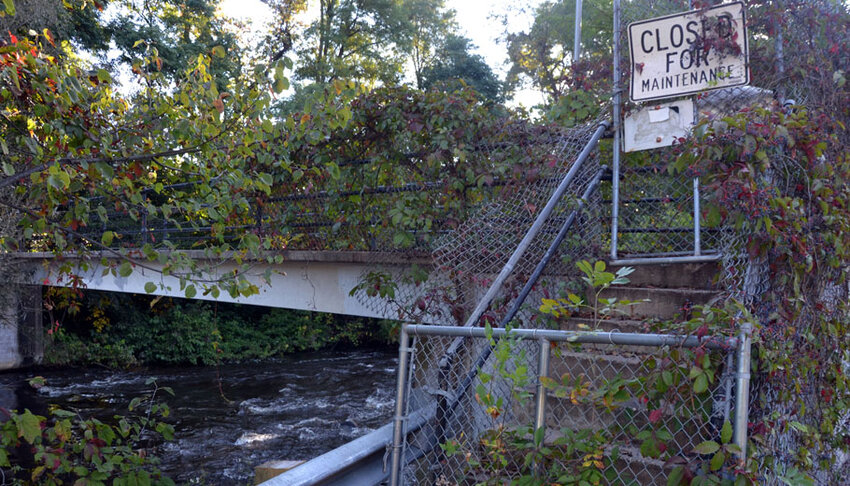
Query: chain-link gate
(656, 212)
(557, 406)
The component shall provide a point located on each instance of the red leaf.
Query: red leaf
(655, 415)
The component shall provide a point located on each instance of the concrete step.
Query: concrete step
(594, 366)
(616, 325)
(659, 303)
(563, 413)
(674, 275)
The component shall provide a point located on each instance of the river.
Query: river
(231, 418)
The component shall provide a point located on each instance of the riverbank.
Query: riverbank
(127, 330)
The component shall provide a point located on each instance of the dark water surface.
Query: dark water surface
(293, 408)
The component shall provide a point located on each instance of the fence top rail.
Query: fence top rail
(581, 337)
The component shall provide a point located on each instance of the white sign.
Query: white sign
(689, 52)
(658, 125)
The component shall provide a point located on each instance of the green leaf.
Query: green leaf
(218, 51)
(726, 432)
(333, 170)
(150, 287)
(707, 447)
(103, 76)
(125, 269)
(676, 475)
(701, 383)
(10, 7)
(190, 291)
(106, 238)
(63, 413)
(265, 178)
(29, 426)
(59, 180)
(718, 460)
(649, 448)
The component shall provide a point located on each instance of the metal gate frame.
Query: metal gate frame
(406, 422)
(696, 253)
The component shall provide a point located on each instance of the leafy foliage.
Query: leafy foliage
(597, 281)
(184, 332)
(781, 177)
(76, 151)
(66, 448)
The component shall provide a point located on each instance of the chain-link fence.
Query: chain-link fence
(496, 407)
(468, 258)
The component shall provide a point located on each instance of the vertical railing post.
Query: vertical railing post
(615, 162)
(697, 241)
(540, 409)
(742, 392)
(144, 227)
(577, 34)
(400, 407)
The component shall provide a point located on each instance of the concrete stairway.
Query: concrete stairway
(671, 290)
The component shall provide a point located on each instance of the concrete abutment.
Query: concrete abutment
(21, 329)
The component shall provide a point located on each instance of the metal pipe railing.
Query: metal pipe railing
(529, 284)
(578, 337)
(697, 242)
(448, 357)
(540, 409)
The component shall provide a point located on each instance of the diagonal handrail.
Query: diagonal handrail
(484, 304)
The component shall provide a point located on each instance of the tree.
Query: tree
(179, 30)
(456, 63)
(543, 56)
(65, 20)
(358, 40)
(431, 25)
(78, 156)
(281, 38)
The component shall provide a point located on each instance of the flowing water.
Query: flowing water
(231, 418)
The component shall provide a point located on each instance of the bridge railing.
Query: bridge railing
(377, 202)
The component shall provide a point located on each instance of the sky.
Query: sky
(474, 17)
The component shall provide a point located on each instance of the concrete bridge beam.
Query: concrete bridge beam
(317, 281)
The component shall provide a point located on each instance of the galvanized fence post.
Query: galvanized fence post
(540, 409)
(615, 161)
(399, 419)
(742, 392)
(697, 241)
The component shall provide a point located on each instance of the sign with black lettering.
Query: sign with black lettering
(689, 52)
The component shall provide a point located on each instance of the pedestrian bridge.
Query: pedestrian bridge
(403, 247)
